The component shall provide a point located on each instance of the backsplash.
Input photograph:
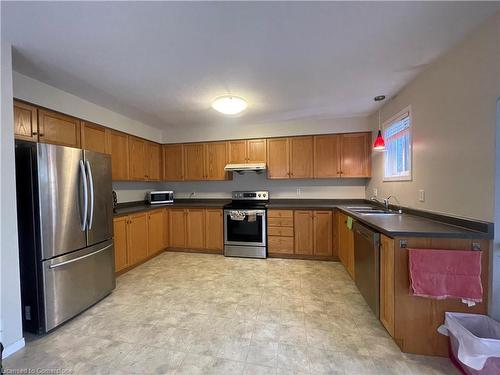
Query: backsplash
(291, 189)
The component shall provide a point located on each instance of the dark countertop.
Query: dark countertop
(409, 224)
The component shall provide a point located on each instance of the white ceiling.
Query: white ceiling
(162, 63)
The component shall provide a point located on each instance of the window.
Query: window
(397, 155)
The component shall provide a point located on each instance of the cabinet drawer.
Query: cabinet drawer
(280, 231)
(280, 213)
(283, 245)
(280, 222)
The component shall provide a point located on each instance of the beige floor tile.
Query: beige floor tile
(264, 353)
(293, 357)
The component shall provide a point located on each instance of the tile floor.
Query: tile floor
(205, 314)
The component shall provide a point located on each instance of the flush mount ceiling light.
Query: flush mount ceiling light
(229, 104)
(379, 144)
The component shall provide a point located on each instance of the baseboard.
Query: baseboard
(303, 257)
(199, 251)
(12, 348)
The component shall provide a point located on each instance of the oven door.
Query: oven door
(245, 232)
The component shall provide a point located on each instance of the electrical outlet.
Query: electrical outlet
(375, 192)
(421, 195)
(298, 192)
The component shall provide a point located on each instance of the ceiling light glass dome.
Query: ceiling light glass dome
(229, 104)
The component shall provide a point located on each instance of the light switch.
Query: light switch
(421, 195)
(298, 192)
(375, 192)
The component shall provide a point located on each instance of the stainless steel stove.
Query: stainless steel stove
(245, 222)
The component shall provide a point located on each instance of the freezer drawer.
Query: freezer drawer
(76, 281)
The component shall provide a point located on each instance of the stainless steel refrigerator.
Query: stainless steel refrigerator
(65, 225)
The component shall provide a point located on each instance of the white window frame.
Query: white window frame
(398, 116)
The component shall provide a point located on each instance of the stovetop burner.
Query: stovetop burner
(248, 199)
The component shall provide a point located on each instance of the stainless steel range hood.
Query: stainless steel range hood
(242, 168)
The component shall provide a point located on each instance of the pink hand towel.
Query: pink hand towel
(444, 274)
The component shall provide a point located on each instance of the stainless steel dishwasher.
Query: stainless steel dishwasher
(367, 264)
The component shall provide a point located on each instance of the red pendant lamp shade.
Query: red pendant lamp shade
(379, 143)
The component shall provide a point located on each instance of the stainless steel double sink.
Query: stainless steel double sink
(367, 210)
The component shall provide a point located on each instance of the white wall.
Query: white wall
(453, 107)
(33, 91)
(10, 295)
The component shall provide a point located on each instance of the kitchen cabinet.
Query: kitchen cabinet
(278, 158)
(118, 148)
(93, 137)
(247, 151)
(345, 244)
(194, 162)
(153, 161)
(326, 156)
(387, 283)
(156, 231)
(195, 228)
(301, 157)
(120, 226)
(137, 159)
(138, 237)
(58, 129)
(177, 228)
(215, 161)
(25, 121)
(173, 162)
(323, 233)
(304, 232)
(214, 227)
(355, 155)
(280, 232)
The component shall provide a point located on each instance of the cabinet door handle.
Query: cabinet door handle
(34, 133)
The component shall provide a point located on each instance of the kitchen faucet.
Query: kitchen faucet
(386, 203)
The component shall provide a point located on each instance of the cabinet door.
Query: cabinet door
(120, 242)
(256, 151)
(118, 147)
(237, 152)
(166, 225)
(355, 155)
(304, 232)
(25, 121)
(173, 163)
(213, 229)
(153, 161)
(196, 228)
(215, 161)
(58, 129)
(326, 156)
(137, 156)
(387, 283)
(301, 157)
(346, 244)
(194, 162)
(138, 237)
(278, 154)
(156, 229)
(177, 228)
(337, 235)
(323, 236)
(93, 137)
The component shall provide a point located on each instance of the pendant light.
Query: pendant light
(379, 144)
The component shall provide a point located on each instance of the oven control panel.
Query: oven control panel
(251, 195)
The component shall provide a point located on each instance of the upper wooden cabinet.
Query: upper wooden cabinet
(301, 157)
(153, 161)
(215, 161)
(278, 158)
(356, 155)
(137, 159)
(247, 151)
(94, 137)
(25, 121)
(173, 162)
(58, 129)
(326, 156)
(194, 161)
(118, 148)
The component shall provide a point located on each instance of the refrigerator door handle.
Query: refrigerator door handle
(85, 196)
(52, 266)
(92, 200)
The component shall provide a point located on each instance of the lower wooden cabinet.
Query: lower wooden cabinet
(196, 229)
(345, 243)
(313, 233)
(304, 232)
(387, 283)
(280, 232)
(323, 233)
(139, 236)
